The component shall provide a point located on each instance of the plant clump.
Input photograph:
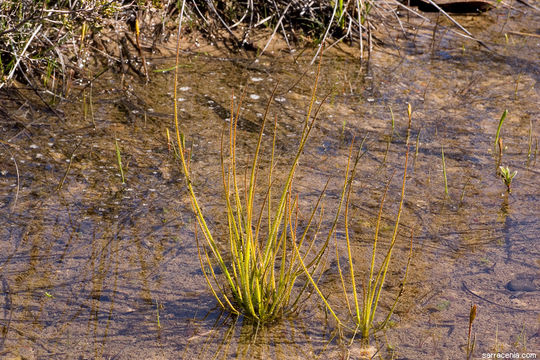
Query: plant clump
(363, 300)
(267, 250)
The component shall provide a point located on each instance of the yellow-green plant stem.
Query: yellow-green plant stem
(349, 175)
(119, 160)
(157, 315)
(363, 320)
(444, 172)
(402, 285)
(505, 113)
(529, 149)
(374, 287)
(346, 185)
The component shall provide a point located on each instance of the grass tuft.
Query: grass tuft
(267, 249)
(364, 316)
(363, 309)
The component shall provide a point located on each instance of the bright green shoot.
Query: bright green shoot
(507, 176)
(341, 14)
(505, 113)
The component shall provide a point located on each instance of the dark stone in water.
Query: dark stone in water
(452, 6)
(521, 285)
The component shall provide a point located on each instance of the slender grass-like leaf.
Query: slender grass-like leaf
(119, 160)
(444, 172)
(529, 148)
(505, 113)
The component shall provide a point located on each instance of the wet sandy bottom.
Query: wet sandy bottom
(93, 268)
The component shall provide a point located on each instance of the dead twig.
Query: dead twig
(275, 29)
(12, 72)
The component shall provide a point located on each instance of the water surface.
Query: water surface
(93, 268)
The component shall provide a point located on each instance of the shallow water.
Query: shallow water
(93, 268)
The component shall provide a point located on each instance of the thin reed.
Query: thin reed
(471, 339)
(119, 160)
(529, 148)
(444, 172)
(501, 121)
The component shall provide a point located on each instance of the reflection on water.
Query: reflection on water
(91, 268)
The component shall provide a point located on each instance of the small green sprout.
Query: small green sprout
(507, 176)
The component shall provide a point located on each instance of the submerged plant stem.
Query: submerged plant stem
(444, 172)
(119, 160)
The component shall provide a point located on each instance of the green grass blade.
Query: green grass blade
(119, 160)
(444, 172)
(499, 128)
